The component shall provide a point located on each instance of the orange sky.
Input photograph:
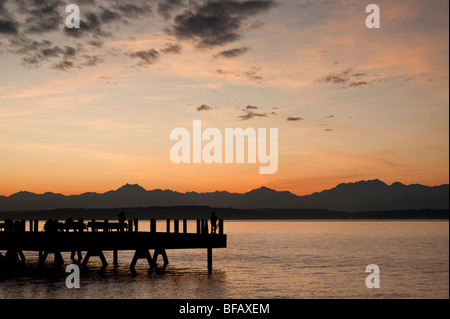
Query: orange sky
(369, 103)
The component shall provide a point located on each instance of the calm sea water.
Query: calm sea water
(267, 259)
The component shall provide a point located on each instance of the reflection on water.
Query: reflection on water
(283, 259)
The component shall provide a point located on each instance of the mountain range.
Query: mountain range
(371, 195)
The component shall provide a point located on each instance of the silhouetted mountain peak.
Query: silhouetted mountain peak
(22, 194)
(263, 190)
(131, 188)
(369, 184)
(398, 185)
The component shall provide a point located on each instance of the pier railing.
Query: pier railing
(93, 225)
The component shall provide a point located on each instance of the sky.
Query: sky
(91, 109)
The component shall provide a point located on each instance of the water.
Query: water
(267, 259)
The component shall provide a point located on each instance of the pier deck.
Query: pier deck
(15, 240)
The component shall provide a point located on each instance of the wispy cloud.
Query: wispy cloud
(294, 118)
(251, 74)
(172, 48)
(147, 57)
(204, 107)
(232, 53)
(350, 79)
(250, 113)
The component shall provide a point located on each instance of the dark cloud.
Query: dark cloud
(3, 10)
(33, 52)
(349, 79)
(232, 53)
(91, 60)
(92, 25)
(329, 116)
(250, 113)
(52, 52)
(70, 51)
(41, 16)
(253, 75)
(8, 27)
(42, 24)
(63, 65)
(172, 49)
(167, 7)
(28, 26)
(204, 107)
(328, 130)
(215, 23)
(146, 58)
(108, 16)
(133, 10)
(294, 118)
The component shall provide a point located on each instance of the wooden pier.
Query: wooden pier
(95, 237)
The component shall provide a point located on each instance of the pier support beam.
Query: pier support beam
(141, 253)
(79, 256)
(95, 252)
(14, 256)
(59, 261)
(209, 259)
(162, 252)
(115, 257)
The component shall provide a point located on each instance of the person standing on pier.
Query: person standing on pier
(122, 221)
(213, 223)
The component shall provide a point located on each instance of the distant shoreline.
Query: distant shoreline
(203, 212)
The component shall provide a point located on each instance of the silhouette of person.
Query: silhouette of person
(81, 226)
(213, 223)
(50, 226)
(122, 221)
(69, 224)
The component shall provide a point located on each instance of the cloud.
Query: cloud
(35, 29)
(250, 113)
(91, 26)
(172, 49)
(167, 7)
(8, 27)
(146, 58)
(44, 16)
(91, 60)
(294, 118)
(349, 79)
(108, 16)
(251, 74)
(63, 65)
(31, 28)
(232, 53)
(204, 107)
(215, 23)
(329, 116)
(133, 10)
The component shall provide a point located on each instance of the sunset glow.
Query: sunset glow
(93, 111)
